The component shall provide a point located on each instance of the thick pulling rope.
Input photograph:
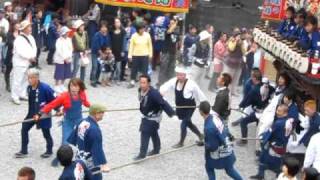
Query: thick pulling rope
(147, 158)
(158, 155)
(45, 116)
(111, 110)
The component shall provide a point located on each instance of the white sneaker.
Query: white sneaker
(16, 101)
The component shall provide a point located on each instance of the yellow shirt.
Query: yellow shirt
(140, 45)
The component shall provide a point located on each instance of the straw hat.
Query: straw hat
(24, 24)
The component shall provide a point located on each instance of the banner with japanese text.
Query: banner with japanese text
(177, 6)
(273, 9)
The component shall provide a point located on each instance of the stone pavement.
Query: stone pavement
(121, 139)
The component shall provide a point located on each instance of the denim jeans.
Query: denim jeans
(231, 171)
(117, 71)
(95, 71)
(25, 137)
(76, 66)
(123, 65)
(67, 128)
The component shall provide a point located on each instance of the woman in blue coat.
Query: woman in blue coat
(218, 148)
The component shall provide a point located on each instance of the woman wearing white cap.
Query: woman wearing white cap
(200, 53)
(80, 44)
(24, 54)
(186, 94)
(62, 58)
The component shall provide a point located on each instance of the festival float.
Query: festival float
(282, 55)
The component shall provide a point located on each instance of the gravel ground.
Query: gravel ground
(121, 139)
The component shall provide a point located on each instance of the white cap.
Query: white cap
(64, 30)
(265, 80)
(24, 24)
(8, 3)
(204, 35)
(78, 23)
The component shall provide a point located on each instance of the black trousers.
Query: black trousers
(145, 138)
(50, 55)
(25, 137)
(139, 64)
(7, 74)
(37, 58)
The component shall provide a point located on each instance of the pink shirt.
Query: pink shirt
(220, 50)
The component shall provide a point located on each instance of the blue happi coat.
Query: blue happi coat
(98, 41)
(247, 87)
(188, 41)
(87, 137)
(293, 112)
(286, 28)
(151, 107)
(313, 129)
(298, 33)
(253, 98)
(310, 42)
(38, 98)
(53, 35)
(273, 139)
(76, 171)
(218, 149)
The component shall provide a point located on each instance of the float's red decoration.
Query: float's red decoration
(178, 6)
(273, 10)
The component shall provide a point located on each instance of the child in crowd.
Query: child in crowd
(107, 64)
(290, 169)
(26, 173)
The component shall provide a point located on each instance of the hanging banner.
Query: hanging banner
(273, 10)
(177, 6)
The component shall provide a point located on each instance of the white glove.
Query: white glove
(175, 118)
